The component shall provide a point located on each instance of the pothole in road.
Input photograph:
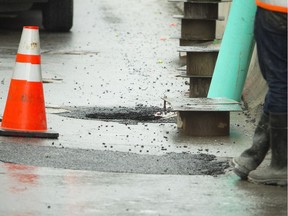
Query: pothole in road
(121, 114)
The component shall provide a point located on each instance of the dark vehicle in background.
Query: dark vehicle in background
(57, 14)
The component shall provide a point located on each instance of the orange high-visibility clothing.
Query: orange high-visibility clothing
(273, 5)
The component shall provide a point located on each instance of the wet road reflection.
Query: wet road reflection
(27, 190)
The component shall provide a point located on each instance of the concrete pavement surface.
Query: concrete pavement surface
(118, 61)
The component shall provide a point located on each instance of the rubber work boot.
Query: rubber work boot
(276, 172)
(251, 158)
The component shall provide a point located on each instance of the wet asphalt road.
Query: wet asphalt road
(114, 67)
(121, 55)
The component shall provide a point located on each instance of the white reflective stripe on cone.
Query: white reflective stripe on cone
(27, 71)
(29, 42)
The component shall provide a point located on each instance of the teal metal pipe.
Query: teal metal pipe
(235, 53)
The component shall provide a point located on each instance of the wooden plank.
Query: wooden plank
(200, 10)
(218, 18)
(185, 75)
(201, 64)
(203, 104)
(213, 46)
(189, 42)
(199, 87)
(183, 68)
(205, 123)
(198, 29)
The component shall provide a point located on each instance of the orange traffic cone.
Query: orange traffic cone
(24, 113)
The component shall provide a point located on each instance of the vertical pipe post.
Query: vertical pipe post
(235, 53)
